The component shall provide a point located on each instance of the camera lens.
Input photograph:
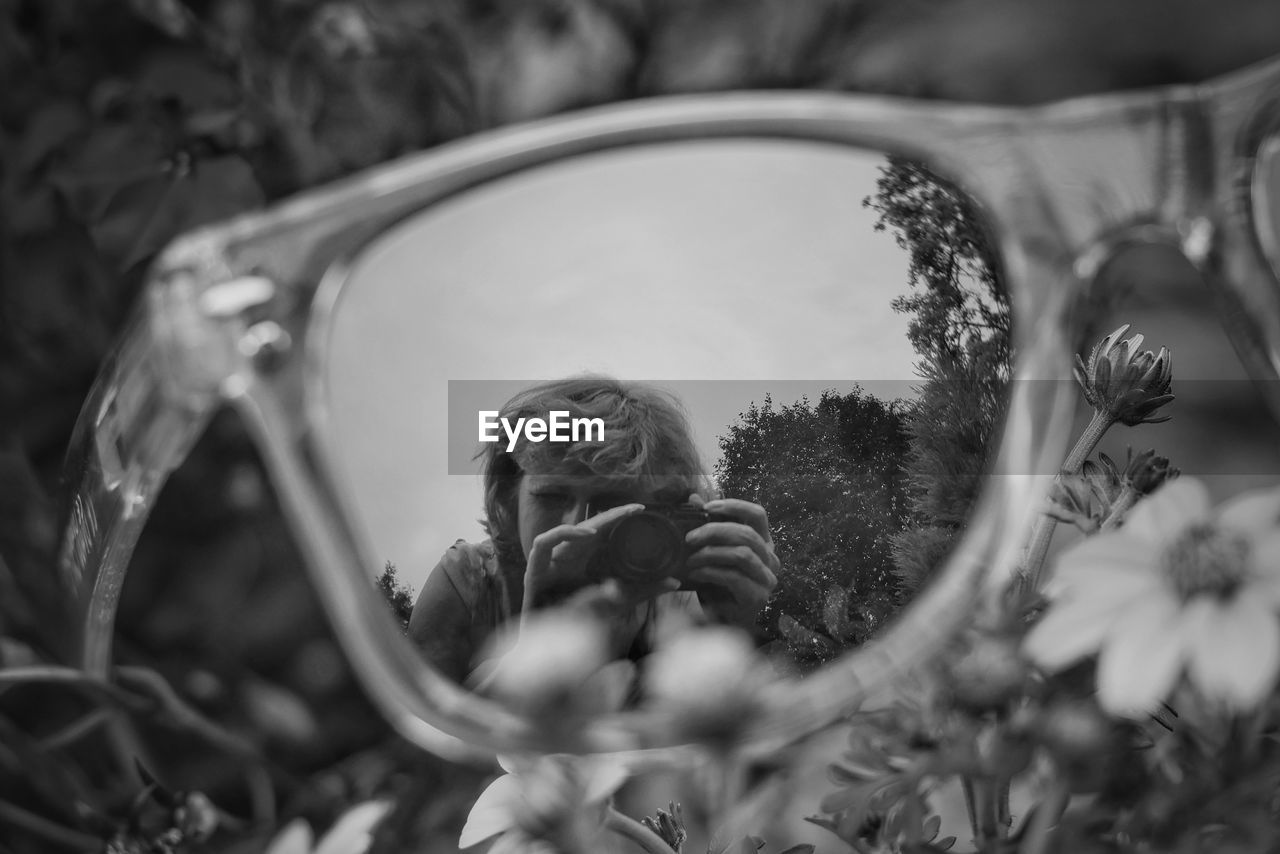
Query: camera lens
(645, 546)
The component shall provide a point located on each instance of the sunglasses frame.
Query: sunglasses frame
(235, 314)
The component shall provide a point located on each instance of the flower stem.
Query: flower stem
(76, 730)
(1042, 533)
(629, 828)
(1097, 427)
(982, 809)
(1120, 508)
(1037, 832)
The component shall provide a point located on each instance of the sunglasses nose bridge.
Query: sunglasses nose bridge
(1192, 239)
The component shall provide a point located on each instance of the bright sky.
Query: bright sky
(720, 270)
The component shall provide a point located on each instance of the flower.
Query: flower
(668, 824)
(1125, 384)
(555, 666)
(1178, 588)
(1082, 499)
(556, 803)
(708, 682)
(1144, 473)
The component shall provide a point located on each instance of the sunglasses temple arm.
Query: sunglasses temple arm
(131, 433)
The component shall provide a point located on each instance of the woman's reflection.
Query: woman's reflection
(631, 515)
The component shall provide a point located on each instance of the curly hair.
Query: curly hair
(646, 436)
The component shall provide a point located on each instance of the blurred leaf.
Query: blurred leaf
(279, 712)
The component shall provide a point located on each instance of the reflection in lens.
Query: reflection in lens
(869, 494)
(839, 367)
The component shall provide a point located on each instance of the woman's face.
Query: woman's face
(545, 500)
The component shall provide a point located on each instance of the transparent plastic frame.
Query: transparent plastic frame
(235, 314)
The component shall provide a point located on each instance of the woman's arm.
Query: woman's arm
(441, 623)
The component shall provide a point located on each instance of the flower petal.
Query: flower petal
(1114, 550)
(604, 777)
(1072, 629)
(492, 813)
(1142, 658)
(1108, 583)
(353, 831)
(1256, 510)
(1264, 568)
(293, 838)
(1235, 651)
(1165, 513)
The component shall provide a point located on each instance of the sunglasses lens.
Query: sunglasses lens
(827, 318)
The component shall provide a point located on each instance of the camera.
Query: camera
(649, 545)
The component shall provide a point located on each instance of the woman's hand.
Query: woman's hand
(558, 560)
(732, 566)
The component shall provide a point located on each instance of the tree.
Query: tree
(830, 477)
(960, 328)
(399, 596)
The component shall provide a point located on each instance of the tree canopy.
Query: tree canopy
(830, 477)
(960, 328)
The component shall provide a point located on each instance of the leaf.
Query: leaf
(279, 712)
(851, 797)
(806, 848)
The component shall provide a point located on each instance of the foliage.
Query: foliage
(127, 122)
(399, 596)
(829, 476)
(124, 123)
(960, 328)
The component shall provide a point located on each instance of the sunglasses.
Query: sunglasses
(338, 323)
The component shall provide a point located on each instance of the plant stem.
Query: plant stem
(629, 828)
(76, 730)
(184, 716)
(1042, 533)
(1047, 814)
(982, 796)
(1097, 427)
(1123, 504)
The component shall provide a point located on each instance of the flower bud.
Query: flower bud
(989, 674)
(708, 681)
(542, 667)
(1124, 383)
(1146, 472)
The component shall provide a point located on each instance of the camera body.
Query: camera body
(649, 545)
